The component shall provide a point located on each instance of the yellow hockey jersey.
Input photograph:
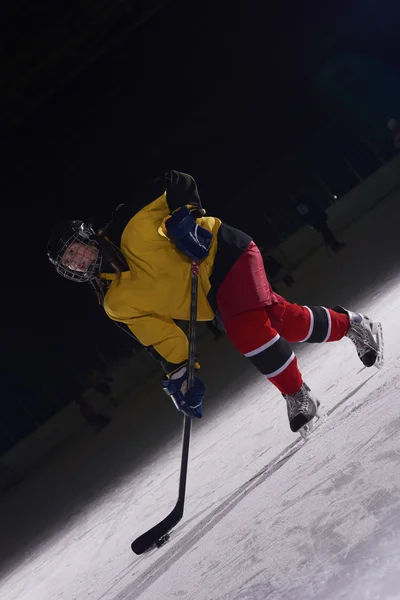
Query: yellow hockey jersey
(157, 288)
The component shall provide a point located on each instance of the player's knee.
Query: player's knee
(249, 330)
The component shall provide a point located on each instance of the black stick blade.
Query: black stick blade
(151, 537)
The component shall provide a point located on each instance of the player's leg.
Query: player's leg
(242, 297)
(253, 336)
(317, 324)
(314, 324)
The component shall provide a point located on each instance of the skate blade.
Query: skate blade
(378, 333)
(312, 425)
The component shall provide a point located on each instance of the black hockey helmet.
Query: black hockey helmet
(62, 239)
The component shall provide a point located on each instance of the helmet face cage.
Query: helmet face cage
(75, 232)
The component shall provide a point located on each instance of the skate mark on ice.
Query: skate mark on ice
(352, 393)
(392, 430)
(193, 536)
(389, 456)
(332, 386)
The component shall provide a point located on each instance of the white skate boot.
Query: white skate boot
(303, 411)
(367, 337)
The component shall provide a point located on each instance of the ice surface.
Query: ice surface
(268, 516)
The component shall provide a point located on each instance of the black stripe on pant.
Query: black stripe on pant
(272, 358)
(320, 325)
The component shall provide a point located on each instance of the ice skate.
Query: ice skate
(367, 337)
(303, 411)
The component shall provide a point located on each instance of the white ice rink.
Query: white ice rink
(268, 516)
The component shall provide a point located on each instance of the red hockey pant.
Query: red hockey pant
(260, 323)
(262, 335)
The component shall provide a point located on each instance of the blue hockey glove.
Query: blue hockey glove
(187, 401)
(191, 239)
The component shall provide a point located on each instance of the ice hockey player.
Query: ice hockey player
(140, 267)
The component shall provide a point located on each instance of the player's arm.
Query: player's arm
(162, 337)
(170, 343)
(181, 191)
(180, 225)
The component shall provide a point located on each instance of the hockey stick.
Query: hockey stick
(159, 534)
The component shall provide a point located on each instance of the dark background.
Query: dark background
(97, 98)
